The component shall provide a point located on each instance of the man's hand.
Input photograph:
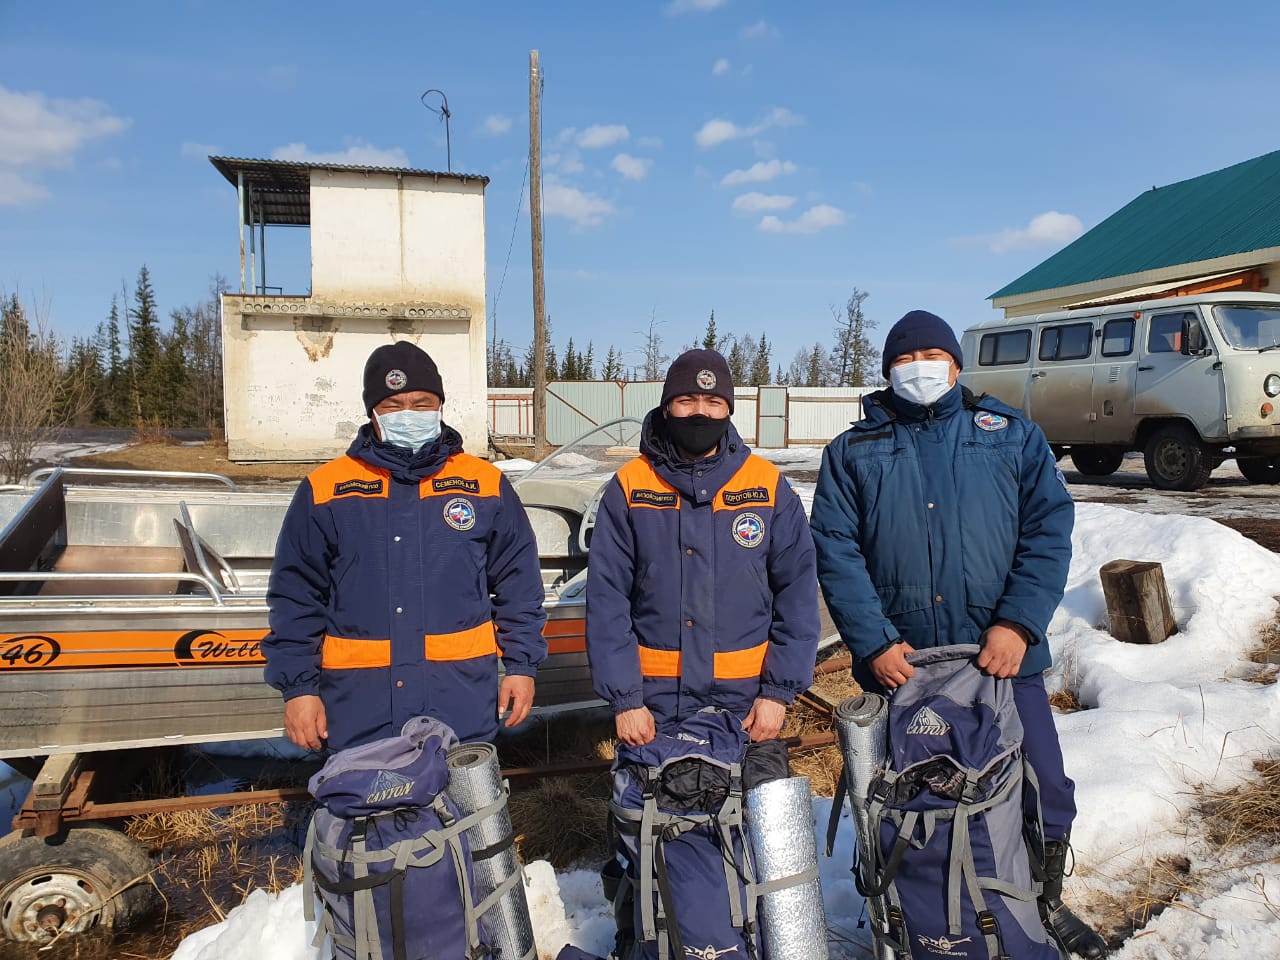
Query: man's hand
(765, 720)
(1003, 648)
(635, 727)
(305, 723)
(891, 669)
(516, 695)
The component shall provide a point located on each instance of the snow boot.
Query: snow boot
(1072, 933)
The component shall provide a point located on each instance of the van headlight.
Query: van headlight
(1271, 385)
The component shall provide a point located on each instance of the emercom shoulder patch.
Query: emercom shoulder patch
(442, 484)
(733, 498)
(655, 498)
(357, 486)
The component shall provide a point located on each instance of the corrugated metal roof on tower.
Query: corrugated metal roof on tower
(1230, 211)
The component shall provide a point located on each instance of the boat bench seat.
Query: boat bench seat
(86, 559)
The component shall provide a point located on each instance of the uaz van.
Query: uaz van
(1189, 381)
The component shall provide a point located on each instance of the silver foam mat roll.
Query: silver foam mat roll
(863, 723)
(780, 814)
(475, 781)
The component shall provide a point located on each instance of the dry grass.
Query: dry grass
(822, 765)
(208, 457)
(562, 819)
(1248, 813)
(1166, 880)
(1267, 654)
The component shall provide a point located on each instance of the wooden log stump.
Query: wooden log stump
(1138, 603)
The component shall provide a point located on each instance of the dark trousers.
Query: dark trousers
(1044, 753)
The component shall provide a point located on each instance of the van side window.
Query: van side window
(1117, 338)
(1166, 333)
(995, 349)
(1073, 341)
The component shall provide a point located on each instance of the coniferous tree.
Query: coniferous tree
(855, 360)
(740, 357)
(588, 362)
(145, 353)
(710, 341)
(612, 366)
(760, 363)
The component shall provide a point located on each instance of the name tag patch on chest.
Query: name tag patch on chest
(990, 421)
(733, 498)
(748, 529)
(444, 484)
(654, 498)
(460, 513)
(357, 486)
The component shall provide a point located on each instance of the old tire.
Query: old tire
(1260, 469)
(1097, 461)
(67, 887)
(1176, 459)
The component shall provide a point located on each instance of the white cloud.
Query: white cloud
(718, 131)
(721, 67)
(1051, 229)
(38, 132)
(633, 168)
(760, 172)
(816, 218)
(495, 125)
(602, 135)
(757, 202)
(584, 209)
(15, 191)
(198, 151)
(359, 154)
(760, 30)
(571, 162)
(676, 7)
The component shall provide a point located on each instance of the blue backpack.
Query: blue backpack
(954, 818)
(677, 809)
(387, 855)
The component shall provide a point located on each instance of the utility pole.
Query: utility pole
(539, 292)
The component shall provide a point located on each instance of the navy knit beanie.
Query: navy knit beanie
(399, 367)
(920, 330)
(698, 371)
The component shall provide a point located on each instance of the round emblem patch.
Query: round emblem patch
(396, 379)
(748, 529)
(990, 421)
(460, 514)
(706, 380)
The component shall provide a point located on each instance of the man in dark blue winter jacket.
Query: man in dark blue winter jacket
(701, 589)
(941, 518)
(403, 572)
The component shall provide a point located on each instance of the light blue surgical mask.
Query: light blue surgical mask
(412, 429)
(923, 382)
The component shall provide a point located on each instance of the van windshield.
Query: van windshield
(1249, 328)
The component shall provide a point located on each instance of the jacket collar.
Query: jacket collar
(716, 470)
(406, 467)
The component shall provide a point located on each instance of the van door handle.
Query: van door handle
(1037, 375)
(1140, 367)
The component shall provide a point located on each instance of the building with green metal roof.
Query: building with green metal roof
(1217, 231)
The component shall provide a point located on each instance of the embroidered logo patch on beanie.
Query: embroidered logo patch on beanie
(396, 380)
(706, 380)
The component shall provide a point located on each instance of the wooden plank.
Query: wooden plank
(1138, 604)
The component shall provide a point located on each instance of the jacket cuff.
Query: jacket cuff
(301, 690)
(520, 669)
(777, 692)
(628, 701)
(1013, 617)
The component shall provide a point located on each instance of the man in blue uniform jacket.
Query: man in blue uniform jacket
(701, 590)
(403, 572)
(941, 518)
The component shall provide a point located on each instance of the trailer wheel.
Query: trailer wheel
(1176, 459)
(1260, 469)
(95, 878)
(1097, 461)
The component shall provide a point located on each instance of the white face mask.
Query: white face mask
(412, 429)
(923, 382)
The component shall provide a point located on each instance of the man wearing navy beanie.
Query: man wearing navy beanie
(940, 518)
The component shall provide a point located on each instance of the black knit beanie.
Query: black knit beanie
(698, 371)
(399, 367)
(920, 330)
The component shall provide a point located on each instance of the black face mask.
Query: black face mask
(697, 434)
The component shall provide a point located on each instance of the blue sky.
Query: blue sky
(756, 158)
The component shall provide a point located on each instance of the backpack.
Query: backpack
(953, 820)
(387, 855)
(677, 811)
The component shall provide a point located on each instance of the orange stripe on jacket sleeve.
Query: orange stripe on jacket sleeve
(740, 664)
(478, 641)
(341, 653)
(659, 663)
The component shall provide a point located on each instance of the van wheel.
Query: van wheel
(1260, 469)
(95, 878)
(1097, 461)
(1176, 459)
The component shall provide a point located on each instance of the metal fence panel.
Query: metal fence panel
(818, 414)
